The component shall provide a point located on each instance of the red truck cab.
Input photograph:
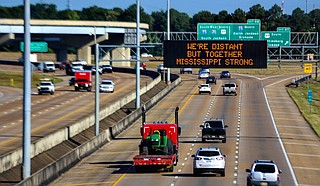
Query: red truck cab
(83, 80)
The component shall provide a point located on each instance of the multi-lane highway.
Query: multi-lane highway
(263, 124)
(254, 133)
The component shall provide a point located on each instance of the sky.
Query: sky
(190, 7)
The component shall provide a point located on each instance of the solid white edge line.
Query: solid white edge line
(279, 139)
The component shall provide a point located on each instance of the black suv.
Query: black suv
(214, 129)
(225, 74)
(211, 79)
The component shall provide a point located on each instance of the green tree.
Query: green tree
(201, 17)
(274, 15)
(44, 11)
(160, 21)
(179, 22)
(223, 17)
(68, 15)
(239, 16)
(300, 22)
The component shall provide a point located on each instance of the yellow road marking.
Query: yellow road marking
(119, 179)
(183, 106)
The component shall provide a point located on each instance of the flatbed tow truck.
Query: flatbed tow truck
(159, 146)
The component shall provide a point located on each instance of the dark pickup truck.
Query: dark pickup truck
(214, 129)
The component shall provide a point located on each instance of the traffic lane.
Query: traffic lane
(299, 139)
(116, 157)
(164, 110)
(51, 112)
(224, 107)
(8, 95)
(258, 138)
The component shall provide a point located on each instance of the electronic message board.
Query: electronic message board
(215, 54)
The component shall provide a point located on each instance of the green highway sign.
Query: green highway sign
(276, 38)
(229, 31)
(284, 29)
(35, 47)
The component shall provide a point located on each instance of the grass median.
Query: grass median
(310, 111)
(15, 79)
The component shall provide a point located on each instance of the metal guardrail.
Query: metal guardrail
(296, 82)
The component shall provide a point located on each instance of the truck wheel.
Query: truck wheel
(235, 94)
(224, 140)
(138, 168)
(40, 93)
(89, 89)
(195, 172)
(203, 140)
(223, 173)
(52, 93)
(171, 169)
(224, 93)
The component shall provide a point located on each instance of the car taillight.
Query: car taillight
(219, 158)
(278, 177)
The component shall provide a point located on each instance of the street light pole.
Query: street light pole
(138, 58)
(168, 35)
(97, 98)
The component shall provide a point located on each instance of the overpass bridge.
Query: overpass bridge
(82, 35)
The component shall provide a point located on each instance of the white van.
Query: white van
(49, 66)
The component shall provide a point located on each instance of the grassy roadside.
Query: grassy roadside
(300, 97)
(15, 79)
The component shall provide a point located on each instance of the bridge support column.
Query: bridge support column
(123, 54)
(62, 54)
(84, 53)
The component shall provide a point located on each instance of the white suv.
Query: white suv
(46, 86)
(209, 160)
(263, 172)
(204, 88)
(107, 86)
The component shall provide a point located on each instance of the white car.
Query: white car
(204, 88)
(263, 172)
(107, 86)
(93, 70)
(203, 75)
(46, 86)
(209, 160)
(146, 55)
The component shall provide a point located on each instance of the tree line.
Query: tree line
(298, 21)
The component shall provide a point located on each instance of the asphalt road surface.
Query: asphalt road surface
(262, 122)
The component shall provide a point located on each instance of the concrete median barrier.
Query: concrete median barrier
(55, 169)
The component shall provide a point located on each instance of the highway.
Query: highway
(258, 129)
(251, 135)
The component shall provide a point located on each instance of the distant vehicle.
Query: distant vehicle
(225, 74)
(211, 79)
(161, 68)
(146, 55)
(83, 80)
(63, 65)
(263, 172)
(204, 70)
(209, 160)
(76, 66)
(214, 129)
(143, 66)
(49, 66)
(185, 70)
(46, 86)
(107, 68)
(204, 88)
(203, 75)
(230, 88)
(72, 81)
(93, 70)
(107, 86)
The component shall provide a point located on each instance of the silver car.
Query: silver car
(263, 172)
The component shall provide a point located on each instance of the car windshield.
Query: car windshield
(214, 124)
(106, 83)
(225, 72)
(45, 84)
(264, 168)
(204, 85)
(229, 85)
(208, 153)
